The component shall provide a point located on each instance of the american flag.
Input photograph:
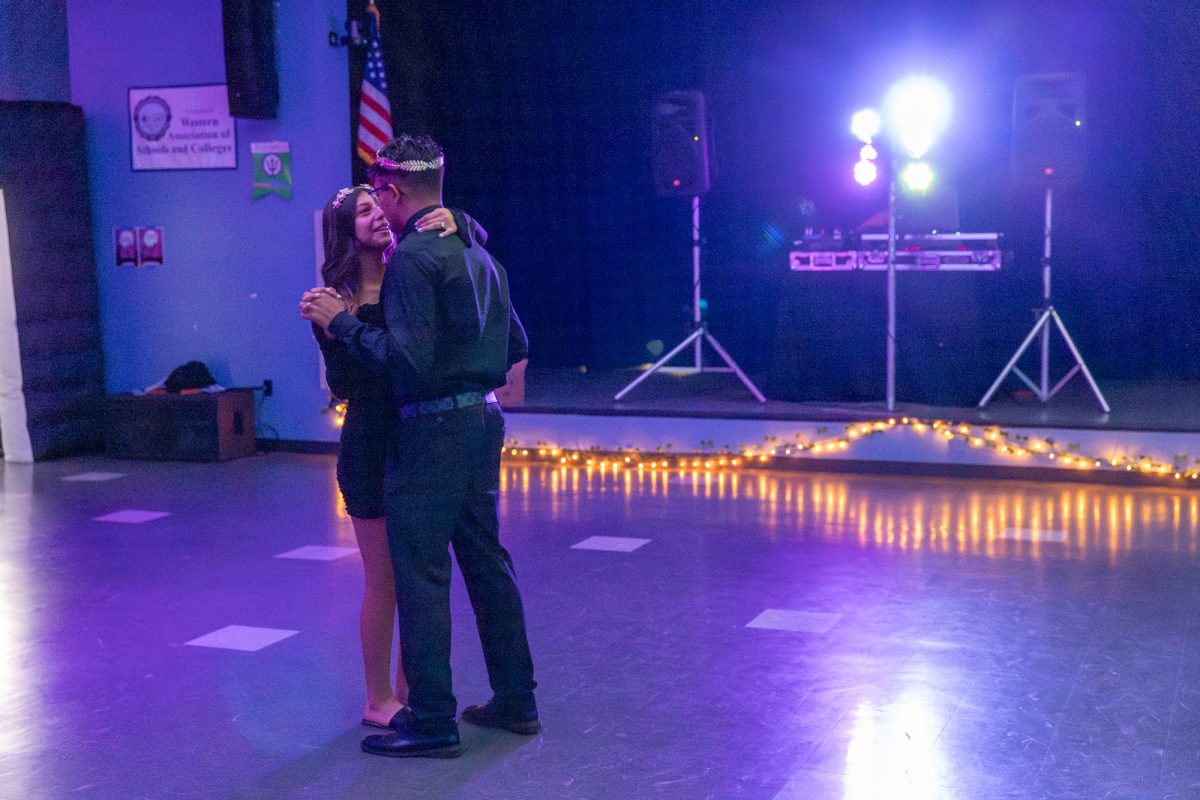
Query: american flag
(374, 111)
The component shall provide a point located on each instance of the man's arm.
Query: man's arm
(469, 229)
(322, 306)
(365, 344)
(405, 348)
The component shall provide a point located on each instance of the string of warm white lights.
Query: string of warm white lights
(337, 407)
(1015, 446)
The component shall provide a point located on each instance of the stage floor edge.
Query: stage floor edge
(1151, 435)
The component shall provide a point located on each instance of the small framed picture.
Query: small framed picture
(125, 246)
(150, 247)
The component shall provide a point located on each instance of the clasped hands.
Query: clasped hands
(320, 305)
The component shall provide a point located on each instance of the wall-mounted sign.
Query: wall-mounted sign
(181, 127)
(141, 247)
(272, 169)
(150, 247)
(125, 244)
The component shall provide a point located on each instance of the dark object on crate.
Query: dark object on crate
(192, 375)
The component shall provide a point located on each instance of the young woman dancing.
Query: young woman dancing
(357, 240)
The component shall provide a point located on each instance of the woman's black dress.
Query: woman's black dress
(369, 417)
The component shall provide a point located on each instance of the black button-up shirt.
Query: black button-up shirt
(450, 325)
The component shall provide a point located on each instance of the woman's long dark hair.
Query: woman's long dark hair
(341, 269)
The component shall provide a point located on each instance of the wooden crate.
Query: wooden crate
(214, 426)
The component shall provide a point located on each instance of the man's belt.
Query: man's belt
(464, 400)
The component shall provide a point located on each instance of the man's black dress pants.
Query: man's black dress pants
(442, 488)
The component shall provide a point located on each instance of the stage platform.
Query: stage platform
(1151, 434)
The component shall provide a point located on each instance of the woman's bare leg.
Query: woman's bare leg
(376, 622)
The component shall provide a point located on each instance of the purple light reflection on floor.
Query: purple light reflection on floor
(611, 544)
(132, 516)
(93, 477)
(779, 619)
(242, 637)
(317, 552)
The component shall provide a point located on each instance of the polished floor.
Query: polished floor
(189, 631)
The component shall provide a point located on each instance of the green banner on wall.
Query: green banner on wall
(272, 169)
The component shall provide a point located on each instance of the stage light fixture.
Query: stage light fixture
(917, 176)
(917, 110)
(865, 125)
(865, 172)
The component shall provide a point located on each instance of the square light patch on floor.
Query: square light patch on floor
(779, 619)
(132, 516)
(242, 637)
(613, 544)
(318, 552)
(1030, 535)
(94, 477)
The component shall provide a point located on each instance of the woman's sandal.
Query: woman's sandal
(395, 720)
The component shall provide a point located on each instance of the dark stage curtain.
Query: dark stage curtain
(544, 110)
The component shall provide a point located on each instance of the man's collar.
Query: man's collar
(411, 225)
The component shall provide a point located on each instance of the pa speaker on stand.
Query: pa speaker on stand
(1049, 149)
(681, 160)
(1049, 134)
(681, 145)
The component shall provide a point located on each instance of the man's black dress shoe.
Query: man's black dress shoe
(492, 715)
(412, 738)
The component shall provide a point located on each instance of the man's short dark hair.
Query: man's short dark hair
(413, 163)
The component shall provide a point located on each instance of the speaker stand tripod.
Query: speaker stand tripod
(1043, 391)
(699, 334)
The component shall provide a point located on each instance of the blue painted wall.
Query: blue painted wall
(235, 267)
(33, 51)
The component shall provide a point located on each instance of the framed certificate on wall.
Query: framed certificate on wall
(181, 127)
